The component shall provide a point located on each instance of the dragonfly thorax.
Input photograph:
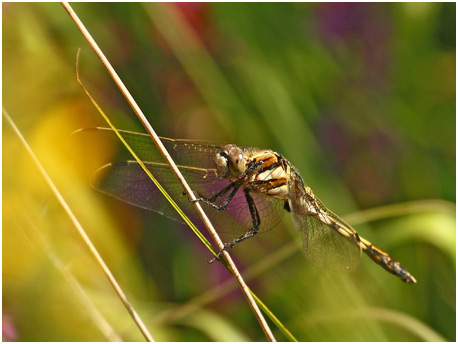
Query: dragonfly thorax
(230, 162)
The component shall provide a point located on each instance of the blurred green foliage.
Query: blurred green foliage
(359, 97)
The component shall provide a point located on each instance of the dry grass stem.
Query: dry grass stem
(400, 209)
(81, 232)
(82, 297)
(174, 168)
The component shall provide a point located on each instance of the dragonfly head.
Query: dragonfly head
(230, 161)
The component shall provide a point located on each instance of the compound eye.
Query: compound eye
(237, 161)
(222, 162)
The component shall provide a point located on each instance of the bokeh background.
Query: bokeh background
(359, 97)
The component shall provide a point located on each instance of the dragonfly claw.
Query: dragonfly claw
(226, 248)
(212, 260)
(198, 197)
(217, 257)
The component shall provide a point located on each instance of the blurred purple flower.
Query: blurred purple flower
(9, 332)
(365, 27)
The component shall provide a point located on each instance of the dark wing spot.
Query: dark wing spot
(286, 207)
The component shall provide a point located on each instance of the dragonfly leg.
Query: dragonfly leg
(252, 232)
(211, 201)
(235, 184)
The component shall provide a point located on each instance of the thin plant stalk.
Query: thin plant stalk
(100, 321)
(227, 286)
(138, 321)
(246, 291)
(274, 319)
(400, 209)
(382, 315)
(281, 254)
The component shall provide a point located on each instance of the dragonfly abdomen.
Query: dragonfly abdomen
(389, 264)
(377, 255)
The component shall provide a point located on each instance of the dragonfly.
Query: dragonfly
(247, 191)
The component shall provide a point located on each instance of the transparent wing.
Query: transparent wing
(128, 182)
(190, 153)
(323, 245)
